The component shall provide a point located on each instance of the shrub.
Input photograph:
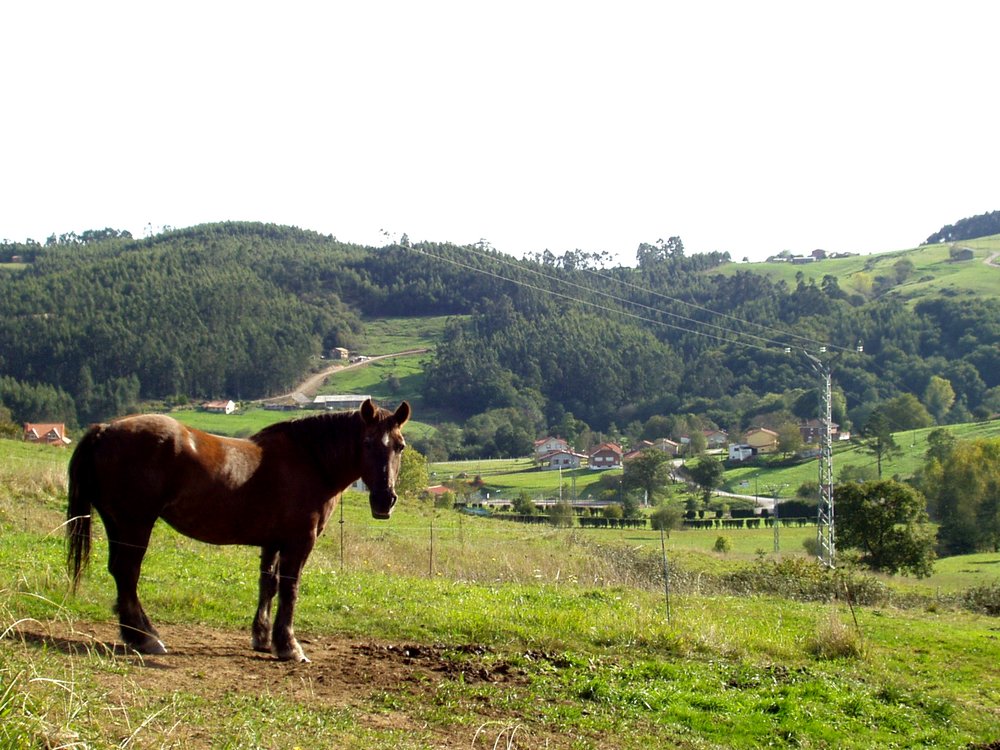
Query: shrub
(561, 515)
(722, 544)
(985, 599)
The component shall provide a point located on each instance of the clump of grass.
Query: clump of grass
(834, 639)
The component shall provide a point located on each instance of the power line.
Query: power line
(615, 311)
(644, 290)
(584, 302)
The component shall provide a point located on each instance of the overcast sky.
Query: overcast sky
(749, 127)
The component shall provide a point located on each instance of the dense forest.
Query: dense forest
(94, 323)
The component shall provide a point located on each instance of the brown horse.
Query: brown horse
(274, 491)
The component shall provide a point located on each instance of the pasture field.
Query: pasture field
(933, 271)
(385, 380)
(388, 335)
(437, 630)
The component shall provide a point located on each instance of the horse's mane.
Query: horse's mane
(311, 428)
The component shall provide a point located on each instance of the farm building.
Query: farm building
(219, 407)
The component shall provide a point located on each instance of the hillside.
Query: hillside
(912, 275)
(97, 327)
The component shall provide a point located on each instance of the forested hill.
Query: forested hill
(92, 324)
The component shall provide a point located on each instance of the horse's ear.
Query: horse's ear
(368, 410)
(402, 414)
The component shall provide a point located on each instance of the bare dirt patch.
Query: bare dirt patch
(343, 673)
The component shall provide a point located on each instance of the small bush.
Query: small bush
(722, 544)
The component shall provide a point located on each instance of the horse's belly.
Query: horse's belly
(215, 520)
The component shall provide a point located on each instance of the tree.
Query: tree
(964, 494)
(613, 512)
(666, 517)
(877, 440)
(887, 523)
(707, 473)
(561, 514)
(905, 412)
(939, 397)
(413, 479)
(789, 438)
(940, 444)
(649, 472)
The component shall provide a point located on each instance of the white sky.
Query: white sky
(751, 127)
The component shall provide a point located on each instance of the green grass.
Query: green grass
(390, 335)
(579, 618)
(784, 481)
(933, 274)
(374, 379)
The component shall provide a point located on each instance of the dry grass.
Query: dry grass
(835, 639)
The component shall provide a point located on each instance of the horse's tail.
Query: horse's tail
(82, 487)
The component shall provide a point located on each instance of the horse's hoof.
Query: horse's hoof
(292, 654)
(152, 647)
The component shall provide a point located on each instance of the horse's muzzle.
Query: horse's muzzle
(382, 504)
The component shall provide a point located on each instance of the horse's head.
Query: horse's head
(381, 447)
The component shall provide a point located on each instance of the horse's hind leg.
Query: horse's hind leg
(125, 553)
(261, 632)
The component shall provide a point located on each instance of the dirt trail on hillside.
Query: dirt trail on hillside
(314, 382)
(344, 673)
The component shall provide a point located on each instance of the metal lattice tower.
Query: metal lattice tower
(825, 511)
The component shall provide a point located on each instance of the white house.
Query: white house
(561, 460)
(219, 407)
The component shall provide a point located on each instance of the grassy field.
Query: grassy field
(933, 272)
(390, 335)
(472, 633)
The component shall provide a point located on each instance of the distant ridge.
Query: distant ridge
(970, 228)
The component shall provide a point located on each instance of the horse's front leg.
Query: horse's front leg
(283, 643)
(261, 632)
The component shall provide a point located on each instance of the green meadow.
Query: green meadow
(540, 637)
(933, 270)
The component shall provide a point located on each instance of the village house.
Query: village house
(219, 407)
(812, 429)
(548, 445)
(562, 459)
(666, 445)
(50, 434)
(761, 439)
(605, 456)
(339, 352)
(716, 438)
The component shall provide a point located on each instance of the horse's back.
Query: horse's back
(153, 453)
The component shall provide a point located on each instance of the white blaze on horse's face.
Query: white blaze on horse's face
(382, 447)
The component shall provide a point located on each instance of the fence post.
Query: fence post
(666, 576)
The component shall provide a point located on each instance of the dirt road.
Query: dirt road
(314, 382)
